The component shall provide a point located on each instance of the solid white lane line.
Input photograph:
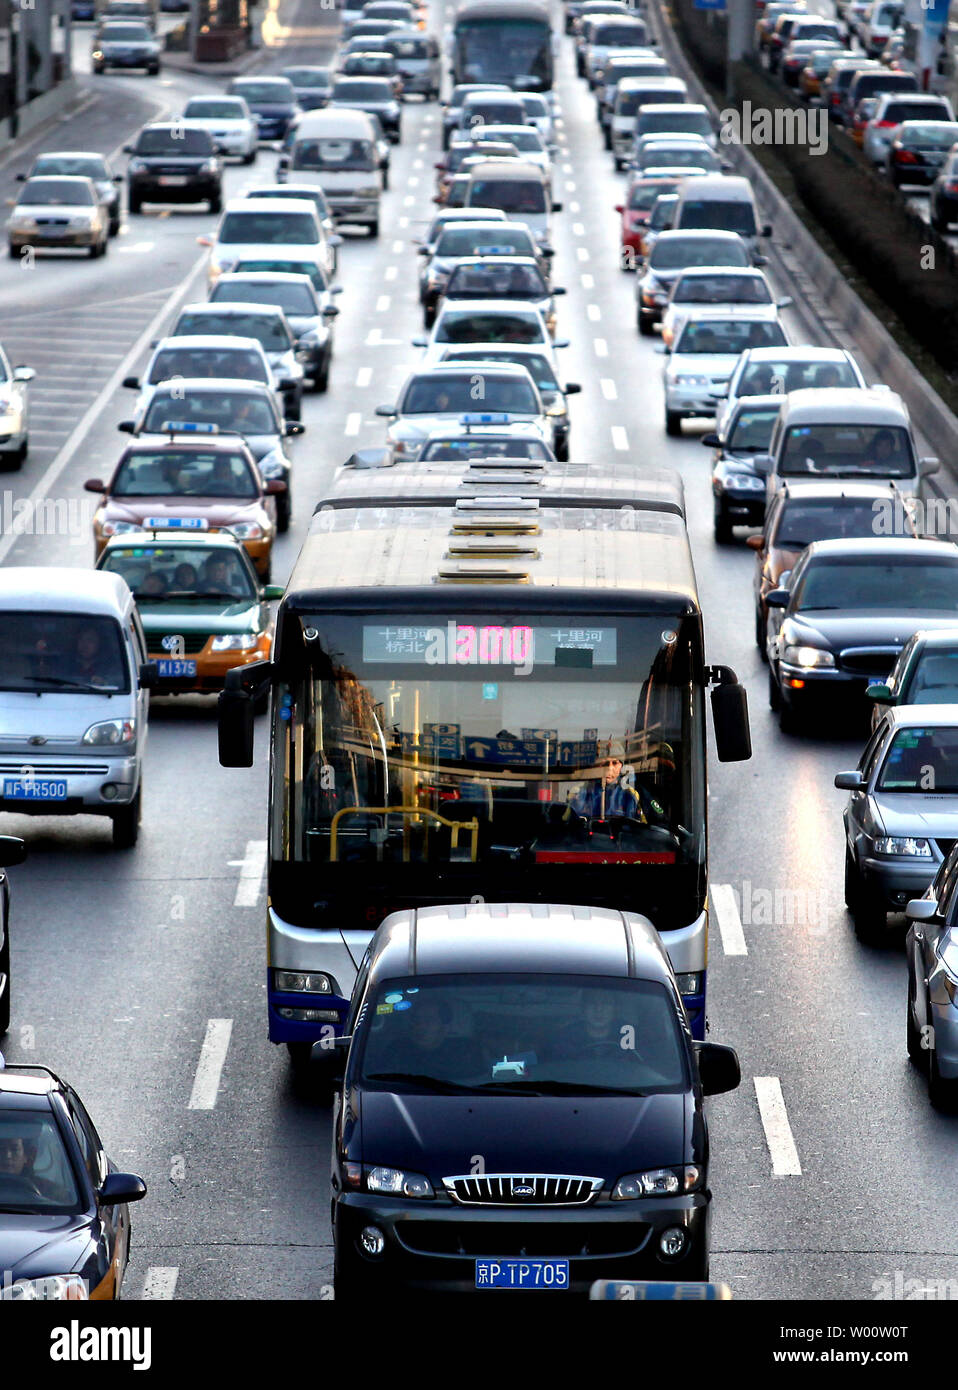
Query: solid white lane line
(353, 422)
(725, 910)
(601, 348)
(620, 440)
(778, 1132)
(209, 1068)
(608, 389)
(252, 872)
(160, 1281)
(364, 376)
(593, 312)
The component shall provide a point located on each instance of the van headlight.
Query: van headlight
(398, 1183)
(657, 1182)
(111, 732)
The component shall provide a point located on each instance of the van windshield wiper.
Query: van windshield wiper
(62, 681)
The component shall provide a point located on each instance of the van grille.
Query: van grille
(522, 1189)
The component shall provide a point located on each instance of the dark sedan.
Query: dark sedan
(738, 489)
(174, 164)
(272, 100)
(375, 95)
(848, 609)
(12, 851)
(125, 45)
(926, 673)
(64, 1218)
(943, 203)
(311, 86)
(309, 314)
(524, 1107)
(919, 150)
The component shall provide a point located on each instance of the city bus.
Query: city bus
(506, 41)
(464, 652)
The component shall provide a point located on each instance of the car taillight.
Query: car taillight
(905, 157)
(951, 187)
(884, 124)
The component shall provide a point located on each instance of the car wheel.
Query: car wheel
(115, 228)
(428, 316)
(869, 913)
(619, 166)
(5, 996)
(562, 450)
(760, 635)
(673, 422)
(126, 823)
(385, 180)
(939, 224)
(216, 203)
(607, 138)
(94, 250)
(321, 380)
(721, 526)
(374, 228)
(790, 719)
(13, 252)
(774, 693)
(644, 325)
(251, 157)
(917, 1054)
(135, 204)
(942, 1094)
(284, 512)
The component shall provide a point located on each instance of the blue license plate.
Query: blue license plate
(173, 667)
(522, 1274)
(35, 788)
(175, 523)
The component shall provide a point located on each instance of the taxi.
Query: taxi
(201, 604)
(203, 484)
(64, 1207)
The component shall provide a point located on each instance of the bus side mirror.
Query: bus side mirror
(733, 742)
(235, 728)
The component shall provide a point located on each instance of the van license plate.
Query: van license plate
(522, 1274)
(35, 788)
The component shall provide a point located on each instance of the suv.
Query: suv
(552, 1040)
(174, 164)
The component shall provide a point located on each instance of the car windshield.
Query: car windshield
(36, 1176)
(487, 241)
(49, 652)
(722, 289)
(203, 361)
(292, 299)
(532, 1034)
(464, 326)
(310, 195)
(266, 328)
(175, 141)
(876, 450)
(160, 572)
(751, 432)
(494, 112)
(512, 195)
(526, 141)
(855, 582)
(85, 165)
(279, 90)
(230, 410)
(125, 33)
(538, 366)
(627, 102)
(345, 155)
(728, 336)
(56, 193)
(774, 378)
(474, 446)
(362, 91)
(681, 252)
(271, 228)
(213, 108)
(922, 760)
(825, 519)
(495, 280)
(452, 395)
(701, 157)
(315, 272)
(185, 473)
(933, 679)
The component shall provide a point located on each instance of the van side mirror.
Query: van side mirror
(719, 1069)
(849, 781)
(927, 466)
(94, 485)
(733, 741)
(149, 675)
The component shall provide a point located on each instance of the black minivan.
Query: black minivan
(174, 163)
(521, 1107)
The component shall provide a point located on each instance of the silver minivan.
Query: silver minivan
(720, 202)
(74, 696)
(418, 60)
(522, 190)
(336, 148)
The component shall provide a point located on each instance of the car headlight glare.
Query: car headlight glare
(234, 642)
(657, 1182)
(807, 657)
(136, 166)
(902, 844)
(746, 482)
(110, 732)
(398, 1183)
(53, 1287)
(245, 530)
(689, 379)
(302, 982)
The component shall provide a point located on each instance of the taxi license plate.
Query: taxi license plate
(173, 180)
(35, 788)
(174, 667)
(175, 523)
(522, 1274)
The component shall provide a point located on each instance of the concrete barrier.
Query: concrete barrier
(43, 108)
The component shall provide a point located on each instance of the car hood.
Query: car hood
(218, 615)
(863, 628)
(926, 815)
(32, 1247)
(595, 1136)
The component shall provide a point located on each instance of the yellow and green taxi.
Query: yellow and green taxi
(203, 608)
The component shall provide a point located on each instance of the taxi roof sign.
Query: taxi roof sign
(485, 417)
(189, 427)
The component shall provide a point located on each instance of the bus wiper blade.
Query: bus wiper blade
(436, 1083)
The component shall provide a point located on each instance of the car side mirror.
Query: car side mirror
(711, 440)
(11, 202)
(292, 427)
(420, 341)
(127, 149)
(572, 388)
(149, 675)
(777, 598)
(547, 251)
(560, 342)
(423, 251)
(23, 374)
(117, 178)
(661, 349)
(719, 1069)
(755, 542)
(94, 485)
(720, 393)
(559, 289)
(271, 592)
(21, 178)
(759, 261)
(131, 383)
(275, 486)
(389, 411)
(119, 1188)
(330, 312)
(849, 781)
(785, 302)
(762, 463)
(556, 207)
(927, 466)
(336, 289)
(126, 426)
(13, 851)
(922, 909)
(335, 239)
(879, 692)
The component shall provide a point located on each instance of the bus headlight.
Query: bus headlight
(302, 982)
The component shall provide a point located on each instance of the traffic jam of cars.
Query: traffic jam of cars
(510, 950)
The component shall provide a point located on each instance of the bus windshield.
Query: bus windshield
(523, 739)
(517, 52)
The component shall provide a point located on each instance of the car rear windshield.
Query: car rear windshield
(36, 1176)
(856, 582)
(824, 519)
(185, 473)
(728, 336)
(488, 241)
(677, 254)
(83, 165)
(512, 195)
(159, 572)
(308, 77)
(465, 326)
(292, 299)
(921, 760)
(363, 91)
(899, 111)
(689, 123)
(266, 328)
(566, 1035)
(212, 108)
(627, 103)
(445, 395)
(494, 280)
(537, 366)
(763, 378)
(61, 652)
(337, 156)
(722, 289)
(212, 362)
(269, 229)
(727, 216)
(841, 450)
(178, 140)
(232, 410)
(56, 192)
(643, 195)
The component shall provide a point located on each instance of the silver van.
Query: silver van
(74, 696)
(521, 190)
(720, 202)
(336, 148)
(418, 60)
(630, 94)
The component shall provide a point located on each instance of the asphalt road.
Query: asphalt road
(121, 961)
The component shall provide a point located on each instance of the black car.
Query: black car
(12, 851)
(522, 1107)
(64, 1218)
(125, 44)
(174, 164)
(738, 488)
(943, 202)
(272, 101)
(848, 607)
(311, 85)
(919, 150)
(372, 94)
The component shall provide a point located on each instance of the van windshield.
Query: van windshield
(878, 451)
(727, 216)
(674, 122)
(54, 652)
(338, 156)
(682, 252)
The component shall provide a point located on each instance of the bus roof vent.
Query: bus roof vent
(497, 504)
(491, 550)
(490, 574)
(478, 477)
(495, 525)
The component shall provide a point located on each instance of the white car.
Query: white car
(543, 366)
(14, 411)
(705, 353)
(764, 371)
(229, 121)
(539, 113)
(268, 325)
(485, 321)
(211, 355)
(447, 394)
(252, 227)
(527, 140)
(313, 194)
(714, 287)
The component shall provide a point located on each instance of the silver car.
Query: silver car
(58, 212)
